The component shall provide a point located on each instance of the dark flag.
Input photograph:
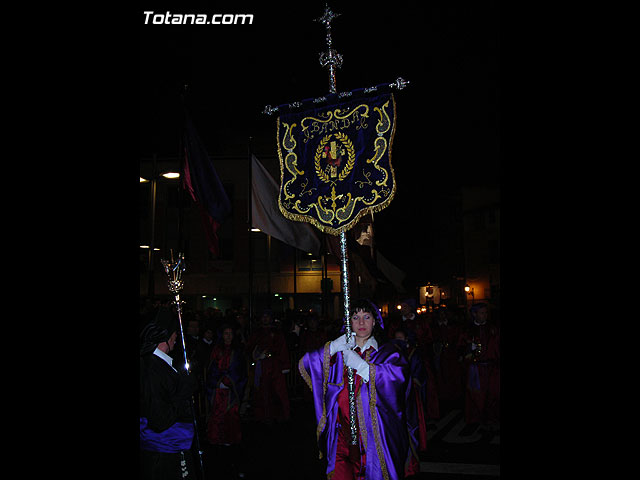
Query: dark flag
(203, 184)
(335, 162)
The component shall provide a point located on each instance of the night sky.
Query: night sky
(448, 118)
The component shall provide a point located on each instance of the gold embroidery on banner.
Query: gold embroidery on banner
(343, 214)
(380, 143)
(334, 120)
(291, 159)
(376, 196)
(384, 123)
(330, 172)
(296, 206)
(325, 213)
(363, 182)
(304, 190)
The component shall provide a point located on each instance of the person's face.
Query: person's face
(481, 315)
(172, 340)
(266, 319)
(400, 336)
(227, 336)
(405, 309)
(208, 334)
(362, 324)
(192, 329)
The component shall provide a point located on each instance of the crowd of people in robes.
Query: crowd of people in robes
(417, 365)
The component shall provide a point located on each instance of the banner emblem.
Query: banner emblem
(335, 162)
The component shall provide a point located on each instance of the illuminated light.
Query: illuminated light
(186, 366)
(467, 288)
(144, 246)
(143, 180)
(399, 307)
(214, 299)
(256, 230)
(171, 175)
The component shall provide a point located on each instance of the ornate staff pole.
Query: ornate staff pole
(174, 271)
(332, 59)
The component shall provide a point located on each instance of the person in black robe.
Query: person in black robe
(166, 418)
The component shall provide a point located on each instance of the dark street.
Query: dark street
(288, 450)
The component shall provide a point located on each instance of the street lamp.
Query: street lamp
(154, 182)
(469, 291)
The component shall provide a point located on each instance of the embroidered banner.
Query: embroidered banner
(335, 162)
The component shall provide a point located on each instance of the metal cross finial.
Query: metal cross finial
(328, 16)
(330, 58)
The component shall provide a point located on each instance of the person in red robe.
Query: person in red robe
(267, 347)
(446, 364)
(481, 348)
(226, 381)
(312, 336)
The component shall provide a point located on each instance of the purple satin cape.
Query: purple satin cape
(174, 439)
(386, 427)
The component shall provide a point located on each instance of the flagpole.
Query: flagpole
(181, 183)
(295, 280)
(250, 220)
(268, 271)
(325, 276)
(152, 228)
(333, 60)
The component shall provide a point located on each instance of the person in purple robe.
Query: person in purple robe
(386, 420)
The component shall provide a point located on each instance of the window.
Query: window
(309, 263)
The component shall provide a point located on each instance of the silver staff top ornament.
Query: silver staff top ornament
(174, 272)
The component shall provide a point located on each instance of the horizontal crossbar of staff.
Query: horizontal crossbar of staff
(328, 99)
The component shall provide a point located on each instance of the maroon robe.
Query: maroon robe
(227, 367)
(446, 365)
(482, 373)
(271, 400)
